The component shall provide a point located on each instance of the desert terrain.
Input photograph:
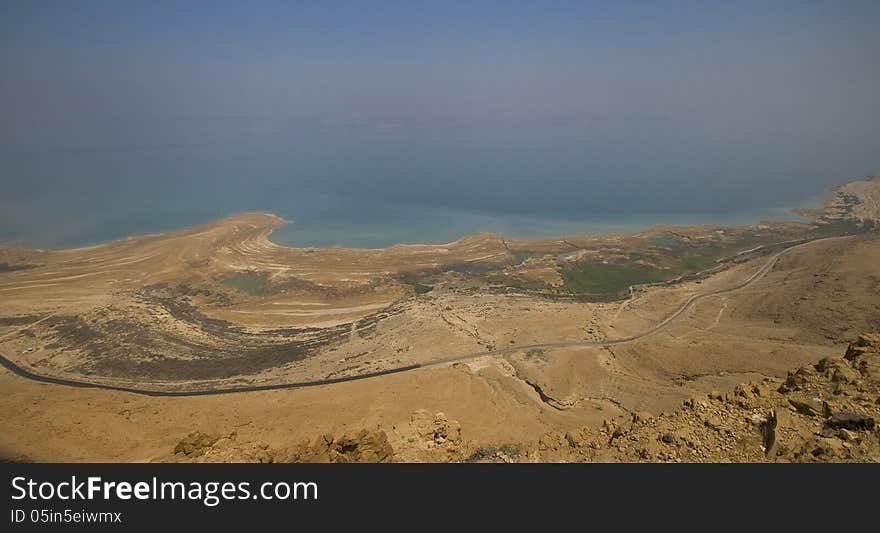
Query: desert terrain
(214, 343)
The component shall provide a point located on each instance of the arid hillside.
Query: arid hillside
(823, 412)
(486, 343)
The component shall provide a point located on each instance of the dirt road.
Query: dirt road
(687, 305)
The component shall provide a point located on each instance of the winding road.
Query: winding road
(687, 305)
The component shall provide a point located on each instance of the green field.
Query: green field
(697, 262)
(607, 281)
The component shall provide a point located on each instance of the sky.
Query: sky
(131, 116)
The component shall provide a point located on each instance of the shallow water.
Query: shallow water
(370, 228)
(445, 225)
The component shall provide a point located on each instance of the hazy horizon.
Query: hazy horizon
(371, 123)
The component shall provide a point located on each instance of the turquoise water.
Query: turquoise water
(375, 193)
(409, 226)
(350, 186)
(370, 228)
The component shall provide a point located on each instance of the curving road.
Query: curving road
(687, 305)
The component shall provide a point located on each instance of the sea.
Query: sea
(376, 194)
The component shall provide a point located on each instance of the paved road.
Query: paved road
(688, 304)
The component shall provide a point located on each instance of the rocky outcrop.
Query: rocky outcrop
(365, 446)
(195, 444)
(426, 437)
(825, 412)
(857, 201)
(430, 438)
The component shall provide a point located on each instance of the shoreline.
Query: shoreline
(602, 228)
(802, 212)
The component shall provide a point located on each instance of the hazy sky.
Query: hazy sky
(556, 109)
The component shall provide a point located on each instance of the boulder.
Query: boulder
(363, 447)
(642, 416)
(195, 444)
(799, 379)
(845, 374)
(553, 441)
(806, 406)
(851, 421)
(581, 438)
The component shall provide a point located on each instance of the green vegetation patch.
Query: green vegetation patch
(665, 242)
(608, 279)
(6, 267)
(516, 282)
(703, 260)
(253, 283)
(841, 227)
(470, 268)
(417, 286)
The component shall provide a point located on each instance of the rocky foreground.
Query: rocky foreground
(825, 412)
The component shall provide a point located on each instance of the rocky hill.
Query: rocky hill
(825, 412)
(856, 201)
